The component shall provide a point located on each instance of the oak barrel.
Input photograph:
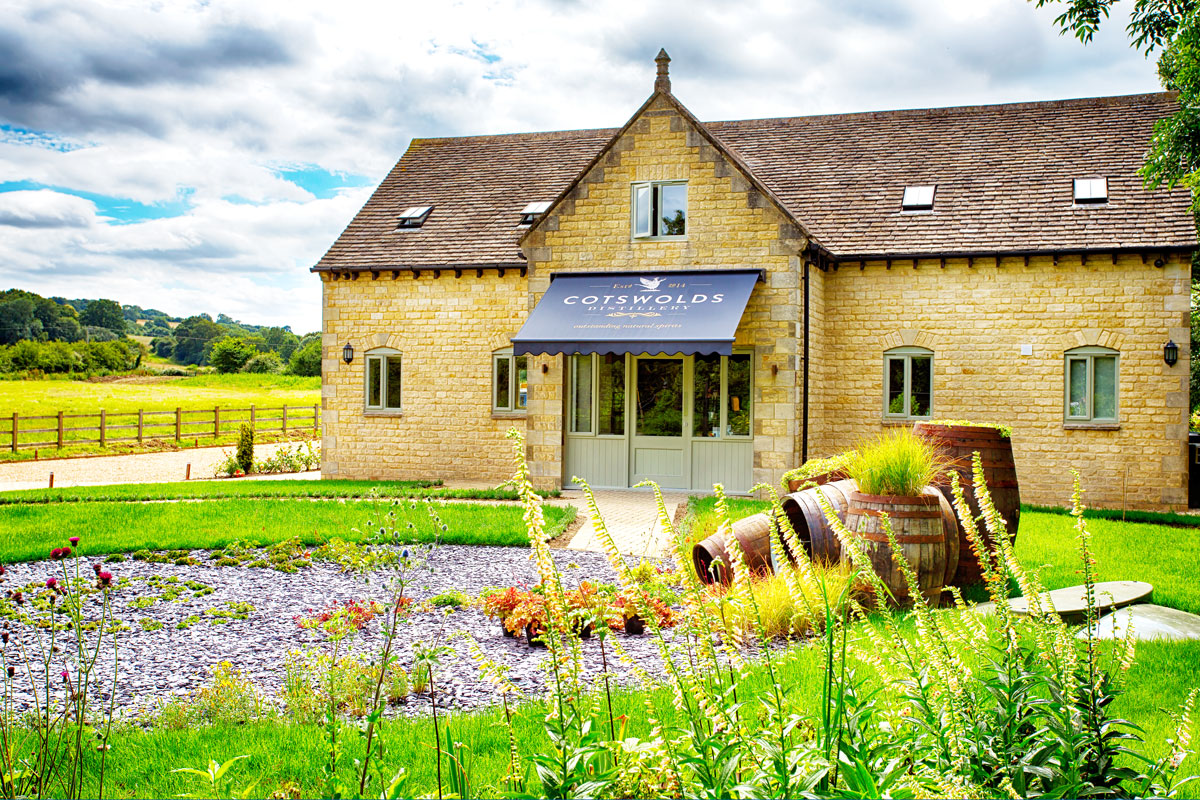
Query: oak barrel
(918, 524)
(714, 563)
(820, 479)
(958, 443)
(808, 520)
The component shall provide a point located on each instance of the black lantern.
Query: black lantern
(348, 353)
(1170, 352)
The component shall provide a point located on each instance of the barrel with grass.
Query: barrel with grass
(958, 441)
(818, 471)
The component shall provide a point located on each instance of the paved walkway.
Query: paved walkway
(141, 468)
(631, 517)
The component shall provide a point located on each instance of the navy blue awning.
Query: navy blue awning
(653, 313)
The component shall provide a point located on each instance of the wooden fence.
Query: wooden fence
(25, 432)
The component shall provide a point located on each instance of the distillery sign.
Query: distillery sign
(620, 312)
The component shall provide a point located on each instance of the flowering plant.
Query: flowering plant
(630, 606)
(499, 604)
(340, 619)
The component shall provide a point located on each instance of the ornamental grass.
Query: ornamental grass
(896, 463)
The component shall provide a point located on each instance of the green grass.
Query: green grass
(200, 392)
(212, 490)
(29, 532)
(140, 763)
(897, 463)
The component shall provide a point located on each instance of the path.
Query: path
(631, 517)
(142, 468)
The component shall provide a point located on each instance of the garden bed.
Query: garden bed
(183, 620)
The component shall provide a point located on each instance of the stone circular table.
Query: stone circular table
(1071, 603)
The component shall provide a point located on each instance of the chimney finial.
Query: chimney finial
(662, 81)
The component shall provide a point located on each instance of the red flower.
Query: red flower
(51, 583)
(104, 579)
(96, 568)
(56, 553)
(74, 540)
(65, 676)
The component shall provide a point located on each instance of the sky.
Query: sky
(201, 156)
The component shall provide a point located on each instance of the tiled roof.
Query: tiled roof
(1003, 175)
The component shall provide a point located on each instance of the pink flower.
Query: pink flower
(74, 540)
(56, 553)
(51, 583)
(104, 578)
(65, 676)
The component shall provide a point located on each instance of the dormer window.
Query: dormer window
(414, 216)
(917, 198)
(1089, 191)
(531, 212)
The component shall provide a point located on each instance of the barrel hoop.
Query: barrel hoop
(875, 512)
(919, 500)
(902, 540)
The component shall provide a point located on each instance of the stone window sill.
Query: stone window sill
(510, 414)
(383, 413)
(888, 422)
(1091, 426)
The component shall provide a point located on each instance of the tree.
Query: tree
(163, 346)
(192, 336)
(231, 353)
(264, 363)
(281, 340)
(104, 314)
(307, 359)
(18, 322)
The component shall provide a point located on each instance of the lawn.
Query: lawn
(200, 392)
(140, 763)
(29, 532)
(213, 490)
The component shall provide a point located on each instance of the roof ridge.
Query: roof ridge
(522, 136)
(1100, 101)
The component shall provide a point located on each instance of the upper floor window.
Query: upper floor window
(413, 216)
(917, 198)
(383, 379)
(510, 381)
(908, 383)
(659, 209)
(1091, 384)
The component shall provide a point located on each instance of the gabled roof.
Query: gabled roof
(1003, 174)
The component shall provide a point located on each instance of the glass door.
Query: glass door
(658, 446)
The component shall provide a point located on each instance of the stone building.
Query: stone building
(994, 263)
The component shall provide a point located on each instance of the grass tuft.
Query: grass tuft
(898, 463)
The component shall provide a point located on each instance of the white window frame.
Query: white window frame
(918, 198)
(651, 191)
(1088, 355)
(723, 426)
(1091, 191)
(381, 356)
(514, 387)
(906, 354)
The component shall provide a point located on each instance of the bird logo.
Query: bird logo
(650, 283)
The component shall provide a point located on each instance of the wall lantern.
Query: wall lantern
(1170, 352)
(348, 353)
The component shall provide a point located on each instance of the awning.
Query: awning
(654, 313)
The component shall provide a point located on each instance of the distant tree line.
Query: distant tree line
(59, 335)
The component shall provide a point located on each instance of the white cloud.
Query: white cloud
(45, 209)
(207, 99)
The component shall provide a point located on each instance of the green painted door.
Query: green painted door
(658, 445)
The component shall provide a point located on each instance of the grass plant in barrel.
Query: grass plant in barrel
(958, 440)
(895, 473)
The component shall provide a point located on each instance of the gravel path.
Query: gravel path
(140, 468)
(159, 664)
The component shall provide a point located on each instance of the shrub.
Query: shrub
(263, 363)
(245, 448)
(896, 463)
(230, 354)
(1005, 431)
(307, 359)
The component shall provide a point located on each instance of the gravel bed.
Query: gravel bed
(157, 665)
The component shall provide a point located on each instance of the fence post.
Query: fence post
(178, 423)
(252, 415)
(316, 419)
(285, 419)
(139, 426)
(217, 422)
(15, 425)
(103, 433)
(60, 430)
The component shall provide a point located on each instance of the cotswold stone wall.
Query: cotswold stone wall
(976, 317)
(445, 329)
(730, 225)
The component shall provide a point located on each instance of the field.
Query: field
(124, 395)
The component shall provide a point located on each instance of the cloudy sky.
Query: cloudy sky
(200, 156)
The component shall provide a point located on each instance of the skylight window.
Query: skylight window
(532, 211)
(414, 216)
(917, 198)
(1091, 190)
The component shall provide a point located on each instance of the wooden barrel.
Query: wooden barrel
(821, 479)
(959, 442)
(918, 524)
(808, 520)
(714, 563)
